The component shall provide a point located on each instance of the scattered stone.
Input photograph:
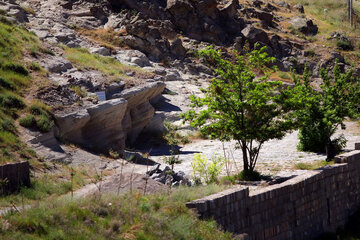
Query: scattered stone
(254, 35)
(304, 25)
(168, 177)
(283, 4)
(56, 64)
(100, 50)
(299, 8)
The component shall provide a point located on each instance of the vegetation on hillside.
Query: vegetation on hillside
(109, 66)
(15, 42)
(131, 216)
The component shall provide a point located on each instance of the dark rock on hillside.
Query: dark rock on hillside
(254, 35)
(304, 25)
(299, 8)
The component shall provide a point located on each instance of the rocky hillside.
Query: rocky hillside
(103, 73)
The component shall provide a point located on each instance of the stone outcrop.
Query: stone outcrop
(304, 25)
(112, 123)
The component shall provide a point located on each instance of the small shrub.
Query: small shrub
(249, 175)
(6, 124)
(80, 91)
(310, 53)
(6, 84)
(28, 121)
(18, 68)
(47, 51)
(284, 75)
(205, 171)
(5, 20)
(344, 45)
(44, 124)
(35, 66)
(9, 100)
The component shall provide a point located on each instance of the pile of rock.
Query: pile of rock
(168, 176)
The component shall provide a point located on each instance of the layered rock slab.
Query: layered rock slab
(112, 123)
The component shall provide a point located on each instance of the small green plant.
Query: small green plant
(172, 159)
(205, 170)
(44, 124)
(80, 91)
(249, 175)
(15, 67)
(35, 66)
(9, 100)
(47, 51)
(284, 75)
(344, 45)
(28, 121)
(7, 84)
(310, 53)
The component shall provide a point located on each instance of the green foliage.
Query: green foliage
(249, 175)
(40, 117)
(239, 106)
(80, 91)
(107, 65)
(28, 121)
(35, 66)
(44, 124)
(326, 111)
(284, 75)
(205, 170)
(172, 159)
(4, 83)
(311, 166)
(9, 100)
(17, 68)
(344, 45)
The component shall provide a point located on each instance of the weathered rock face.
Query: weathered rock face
(139, 111)
(111, 123)
(304, 25)
(97, 127)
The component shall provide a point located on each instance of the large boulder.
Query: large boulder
(254, 35)
(304, 25)
(98, 127)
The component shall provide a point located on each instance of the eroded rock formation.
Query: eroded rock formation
(112, 123)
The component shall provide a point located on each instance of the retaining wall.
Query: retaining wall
(15, 175)
(300, 208)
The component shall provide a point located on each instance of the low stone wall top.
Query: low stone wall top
(13, 176)
(300, 208)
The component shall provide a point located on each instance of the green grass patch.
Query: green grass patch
(130, 216)
(107, 65)
(313, 165)
(284, 75)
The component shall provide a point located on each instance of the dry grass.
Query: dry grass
(113, 69)
(105, 37)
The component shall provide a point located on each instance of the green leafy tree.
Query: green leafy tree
(326, 110)
(240, 106)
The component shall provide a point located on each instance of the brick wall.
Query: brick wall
(16, 175)
(300, 208)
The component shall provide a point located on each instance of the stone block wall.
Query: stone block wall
(300, 208)
(15, 175)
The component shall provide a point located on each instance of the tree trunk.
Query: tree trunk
(245, 156)
(330, 151)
